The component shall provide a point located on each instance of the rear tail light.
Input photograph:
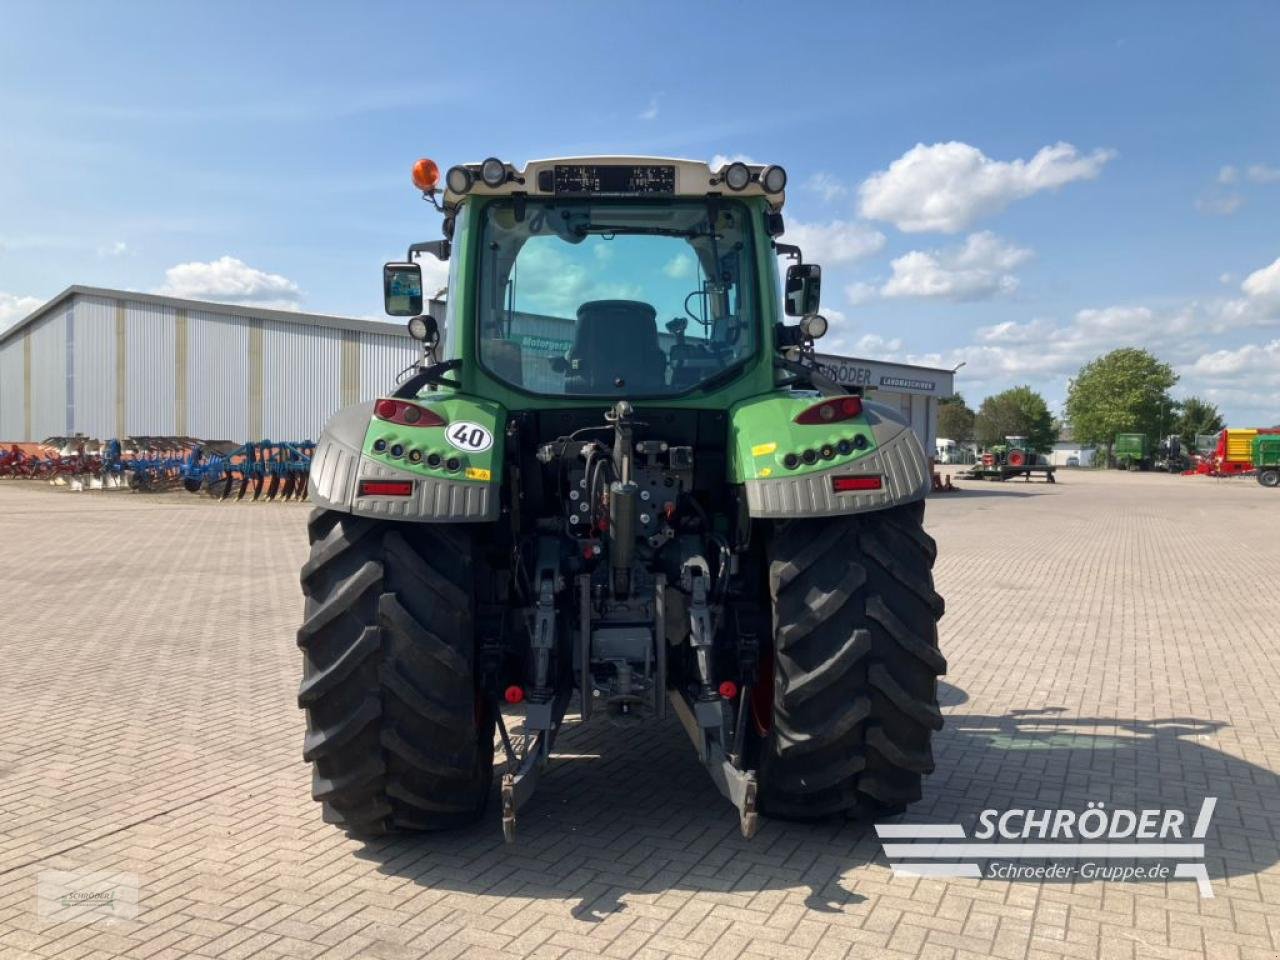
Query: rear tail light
(832, 411)
(406, 413)
(855, 484)
(386, 488)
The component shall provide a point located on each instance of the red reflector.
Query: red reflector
(728, 689)
(514, 694)
(832, 411)
(850, 484)
(408, 414)
(386, 488)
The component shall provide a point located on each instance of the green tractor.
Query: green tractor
(616, 473)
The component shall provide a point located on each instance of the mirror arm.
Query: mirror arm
(789, 250)
(434, 374)
(812, 375)
(440, 249)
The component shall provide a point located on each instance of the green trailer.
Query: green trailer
(1266, 459)
(1132, 451)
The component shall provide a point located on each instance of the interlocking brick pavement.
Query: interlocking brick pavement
(1112, 638)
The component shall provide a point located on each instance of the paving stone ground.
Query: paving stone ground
(1113, 638)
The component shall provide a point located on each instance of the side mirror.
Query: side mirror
(804, 289)
(402, 289)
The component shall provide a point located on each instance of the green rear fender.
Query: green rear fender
(454, 469)
(792, 469)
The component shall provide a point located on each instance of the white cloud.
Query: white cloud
(840, 241)
(1046, 352)
(1215, 203)
(1228, 175)
(679, 266)
(117, 249)
(861, 292)
(1260, 305)
(980, 269)
(1263, 173)
(651, 111)
(947, 186)
(228, 280)
(827, 185)
(14, 308)
(724, 159)
(1252, 358)
(1263, 285)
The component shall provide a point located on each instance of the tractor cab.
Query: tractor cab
(610, 277)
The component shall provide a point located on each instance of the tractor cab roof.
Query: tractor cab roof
(615, 178)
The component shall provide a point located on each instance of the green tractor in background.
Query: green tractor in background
(617, 475)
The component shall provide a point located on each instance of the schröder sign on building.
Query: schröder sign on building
(891, 377)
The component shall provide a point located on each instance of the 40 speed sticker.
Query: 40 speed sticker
(469, 437)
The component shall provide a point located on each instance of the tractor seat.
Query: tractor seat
(616, 340)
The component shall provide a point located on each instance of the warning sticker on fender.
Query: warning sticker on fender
(477, 473)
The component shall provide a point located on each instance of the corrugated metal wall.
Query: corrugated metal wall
(49, 374)
(95, 367)
(302, 378)
(245, 377)
(11, 387)
(150, 404)
(382, 357)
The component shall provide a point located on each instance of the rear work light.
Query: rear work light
(856, 484)
(832, 411)
(386, 488)
(407, 414)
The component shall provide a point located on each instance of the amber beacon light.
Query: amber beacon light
(426, 175)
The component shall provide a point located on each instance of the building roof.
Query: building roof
(205, 306)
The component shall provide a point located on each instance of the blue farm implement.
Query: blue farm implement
(269, 469)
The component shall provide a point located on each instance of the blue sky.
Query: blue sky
(1016, 186)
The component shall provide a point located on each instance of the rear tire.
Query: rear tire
(1269, 477)
(398, 735)
(855, 667)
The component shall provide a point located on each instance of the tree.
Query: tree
(955, 419)
(1124, 391)
(1017, 412)
(1196, 416)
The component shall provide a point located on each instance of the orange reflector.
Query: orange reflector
(852, 484)
(386, 488)
(426, 174)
